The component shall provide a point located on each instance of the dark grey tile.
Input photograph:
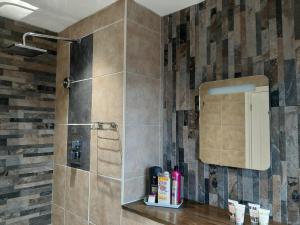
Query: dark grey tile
(80, 102)
(81, 59)
(79, 141)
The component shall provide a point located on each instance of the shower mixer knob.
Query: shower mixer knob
(67, 82)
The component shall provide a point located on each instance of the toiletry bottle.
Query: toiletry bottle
(153, 178)
(164, 188)
(176, 186)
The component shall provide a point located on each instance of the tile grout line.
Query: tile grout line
(124, 102)
(145, 27)
(89, 197)
(101, 28)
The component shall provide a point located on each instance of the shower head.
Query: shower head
(25, 50)
(30, 51)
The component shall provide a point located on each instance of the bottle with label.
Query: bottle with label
(153, 178)
(164, 188)
(176, 186)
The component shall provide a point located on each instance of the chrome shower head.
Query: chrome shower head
(25, 50)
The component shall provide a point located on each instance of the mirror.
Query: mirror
(234, 122)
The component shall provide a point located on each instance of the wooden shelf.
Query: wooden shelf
(191, 213)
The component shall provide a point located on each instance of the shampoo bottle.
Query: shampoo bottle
(153, 177)
(176, 186)
(164, 188)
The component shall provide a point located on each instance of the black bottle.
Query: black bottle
(153, 178)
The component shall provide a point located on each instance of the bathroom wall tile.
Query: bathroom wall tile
(62, 94)
(276, 209)
(81, 133)
(60, 144)
(107, 99)
(131, 192)
(105, 201)
(142, 149)
(106, 152)
(129, 218)
(80, 102)
(77, 192)
(58, 215)
(266, 50)
(59, 183)
(108, 50)
(109, 15)
(291, 141)
(143, 46)
(72, 219)
(142, 92)
(104, 17)
(139, 14)
(81, 59)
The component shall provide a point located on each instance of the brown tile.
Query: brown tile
(105, 201)
(142, 149)
(108, 50)
(77, 192)
(60, 144)
(109, 15)
(104, 17)
(107, 99)
(62, 94)
(59, 179)
(129, 218)
(58, 215)
(142, 100)
(134, 189)
(143, 51)
(106, 153)
(72, 219)
(140, 14)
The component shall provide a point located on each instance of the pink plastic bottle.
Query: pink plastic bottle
(176, 185)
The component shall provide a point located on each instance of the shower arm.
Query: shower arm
(25, 35)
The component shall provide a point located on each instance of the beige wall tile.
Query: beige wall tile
(143, 51)
(59, 181)
(108, 145)
(142, 150)
(107, 99)
(102, 18)
(108, 50)
(109, 15)
(62, 94)
(142, 100)
(77, 192)
(129, 218)
(105, 201)
(60, 144)
(72, 219)
(58, 215)
(143, 16)
(134, 189)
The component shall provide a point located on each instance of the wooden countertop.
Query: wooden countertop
(191, 213)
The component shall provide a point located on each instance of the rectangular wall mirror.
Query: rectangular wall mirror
(235, 122)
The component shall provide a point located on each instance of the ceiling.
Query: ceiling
(56, 15)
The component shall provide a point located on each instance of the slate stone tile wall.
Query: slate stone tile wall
(27, 96)
(221, 39)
